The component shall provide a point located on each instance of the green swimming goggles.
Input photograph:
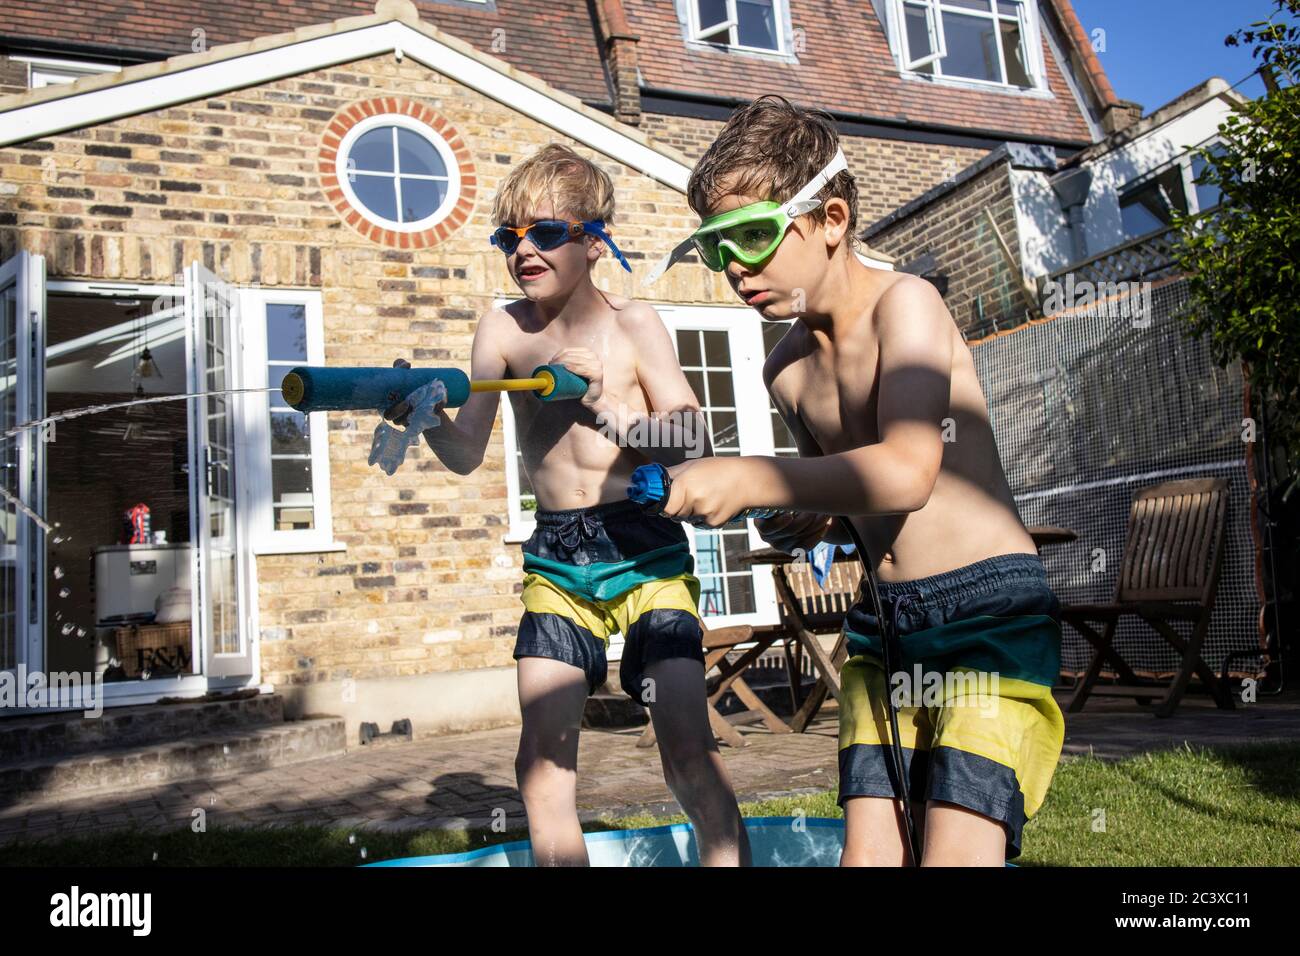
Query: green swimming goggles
(751, 233)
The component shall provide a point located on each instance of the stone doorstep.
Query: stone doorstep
(38, 737)
(211, 756)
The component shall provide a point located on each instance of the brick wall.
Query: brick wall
(889, 172)
(983, 290)
(13, 76)
(427, 583)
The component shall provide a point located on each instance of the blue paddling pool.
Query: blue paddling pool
(774, 841)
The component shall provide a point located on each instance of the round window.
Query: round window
(398, 173)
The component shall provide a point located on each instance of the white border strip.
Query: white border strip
(1130, 479)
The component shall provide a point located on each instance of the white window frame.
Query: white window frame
(45, 71)
(1188, 179)
(1030, 34)
(426, 133)
(699, 34)
(256, 437)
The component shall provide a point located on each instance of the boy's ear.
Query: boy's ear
(837, 220)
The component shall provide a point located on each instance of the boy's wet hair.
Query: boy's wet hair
(770, 149)
(576, 187)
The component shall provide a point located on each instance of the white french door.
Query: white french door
(22, 539)
(721, 351)
(221, 569)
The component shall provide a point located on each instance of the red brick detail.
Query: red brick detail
(327, 162)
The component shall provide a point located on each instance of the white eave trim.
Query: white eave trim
(77, 110)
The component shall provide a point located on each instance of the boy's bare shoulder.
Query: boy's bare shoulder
(908, 301)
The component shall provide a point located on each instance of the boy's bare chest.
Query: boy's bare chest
(838, 406)
(525, 352)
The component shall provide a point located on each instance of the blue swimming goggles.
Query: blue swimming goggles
(550, 234)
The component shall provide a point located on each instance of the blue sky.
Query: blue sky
(1157, 49)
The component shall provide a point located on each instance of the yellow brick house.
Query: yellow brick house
(198, 209)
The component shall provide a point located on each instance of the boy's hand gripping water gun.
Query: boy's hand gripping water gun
(652, 485)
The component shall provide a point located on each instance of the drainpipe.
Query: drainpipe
(1071, 188)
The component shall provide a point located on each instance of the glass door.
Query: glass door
(22, 539)
(221, 559)
(721, 352)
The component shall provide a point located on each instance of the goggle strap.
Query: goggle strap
(682, 249)
(597, 228)
(833, 169)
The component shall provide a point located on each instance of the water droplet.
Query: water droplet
(58, 540)
(58, 572)
(58, 615)
(145, 674)
(65, 592)
(67, 629)
(81, 632)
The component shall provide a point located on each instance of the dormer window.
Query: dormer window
(969, 41)
(739, 24)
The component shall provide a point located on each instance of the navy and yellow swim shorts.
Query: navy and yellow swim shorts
(593, 572)
(977, 722)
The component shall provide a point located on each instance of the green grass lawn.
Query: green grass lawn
(1225, 807)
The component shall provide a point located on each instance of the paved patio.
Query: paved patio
(461, 780)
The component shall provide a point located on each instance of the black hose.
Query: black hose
(890, 651)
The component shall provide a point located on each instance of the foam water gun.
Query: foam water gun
(308, 388)
(651, 485)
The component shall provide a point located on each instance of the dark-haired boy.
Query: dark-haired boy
(878, 387)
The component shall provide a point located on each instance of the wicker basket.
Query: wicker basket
(159, 648)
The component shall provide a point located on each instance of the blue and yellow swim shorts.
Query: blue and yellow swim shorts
(593, 572)
(977, 722)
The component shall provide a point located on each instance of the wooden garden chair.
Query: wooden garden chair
(719, 643)
(807, 612)
(1173, 553)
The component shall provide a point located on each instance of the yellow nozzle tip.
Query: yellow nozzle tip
(550, 383)
(292, 389)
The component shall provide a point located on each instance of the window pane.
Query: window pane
(757, 24)
(740, 594)
(720, 389)
(1151, 206)
(712, 12)
(1143, 212)
(773, 332)
(291, 481)
(373, 151)
(1207, 196)
(981, 5)
(417, 155)
(696, 381)
(421, 197)
(972, 47)
(918, 33)
(1014, 54)
(378, 194)
(286, 336)
(724, 430)
(1007, 8)
(290, 433)
(716, 349)
(688, 349)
